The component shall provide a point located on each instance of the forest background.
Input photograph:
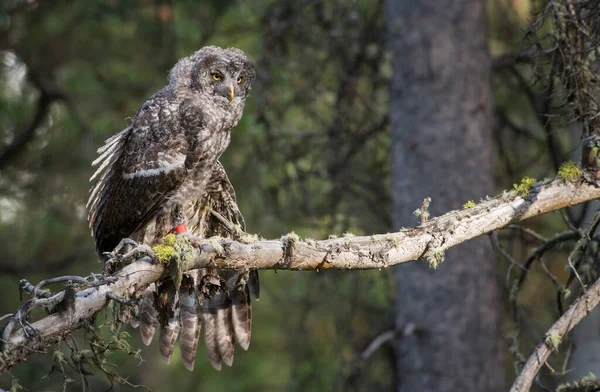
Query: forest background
(360, 110)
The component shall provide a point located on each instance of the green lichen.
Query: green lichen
(552, 341)
(513, 346)
(524, 186)
(184, 256)
(436, 257)
(332, 236)
(310, 241)
(175, 254)
(348, 239)
(590, 377)
(422, 213)
(468, 204)
(581, 383)
(249, 238)
(569, 171)
(169, 239)
(237, 231)
(164, 253)
(392, 239)
(292, 237)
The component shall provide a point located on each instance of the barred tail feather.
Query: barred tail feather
(189, 356)
(168, 313)
(168, 337)
(147, 318)
(241, 308)
(241, 318)
(209, 320)
(190, 323)
(225, 339)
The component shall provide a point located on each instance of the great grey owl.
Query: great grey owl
(162, 174)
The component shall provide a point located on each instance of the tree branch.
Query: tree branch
(555, 335)
(9, 152)
(427, 241)
(49, 93)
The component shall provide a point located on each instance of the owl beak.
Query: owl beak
(231, 92)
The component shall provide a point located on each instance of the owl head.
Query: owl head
(223, 75)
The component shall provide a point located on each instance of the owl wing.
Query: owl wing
(138, 169)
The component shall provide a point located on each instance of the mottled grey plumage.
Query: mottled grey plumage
(163, 171)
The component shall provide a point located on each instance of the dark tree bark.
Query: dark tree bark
(441, 118)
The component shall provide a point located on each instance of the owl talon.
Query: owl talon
(194, 240)
(123, 245)
(126, 252)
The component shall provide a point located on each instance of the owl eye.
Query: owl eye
(217, 76)
(240, 80)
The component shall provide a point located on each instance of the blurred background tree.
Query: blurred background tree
(441, 131)
(311, 154)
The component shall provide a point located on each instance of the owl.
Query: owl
(161, 175)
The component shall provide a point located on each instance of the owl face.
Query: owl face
(226, 79)
(224, 76)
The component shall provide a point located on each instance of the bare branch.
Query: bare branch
(426, 241)
(9, 152)
(379, 341)
(555, 335)
(49, 93)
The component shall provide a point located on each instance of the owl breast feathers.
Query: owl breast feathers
(162, 172)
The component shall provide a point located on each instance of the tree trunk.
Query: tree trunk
(441, 117)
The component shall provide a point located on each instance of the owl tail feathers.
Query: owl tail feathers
(225, 336)
(221, 302)
(190, 322)
(167, 304)
(210, 338)
(168, 337)
(147, 318)
(241, 316)
(218, 329)
(189, 344)
(241, 309)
